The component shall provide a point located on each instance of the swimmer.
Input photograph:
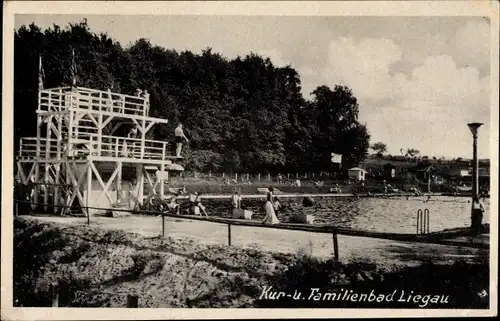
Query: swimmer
(173, 206)
(276, 204)
(236, 200)
(200, 206)
(269, 208)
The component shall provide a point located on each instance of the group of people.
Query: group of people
(111, 103)
(144, 94)
(271, 206)
(194, 205)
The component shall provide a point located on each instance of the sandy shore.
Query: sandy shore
(383, 252)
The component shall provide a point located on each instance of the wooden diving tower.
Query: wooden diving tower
(78, 155)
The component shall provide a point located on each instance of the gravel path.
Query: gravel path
(383, 252)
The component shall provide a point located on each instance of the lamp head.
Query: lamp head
(474, 127)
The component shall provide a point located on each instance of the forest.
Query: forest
(241, 115)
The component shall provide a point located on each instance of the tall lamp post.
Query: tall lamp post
(475, 178)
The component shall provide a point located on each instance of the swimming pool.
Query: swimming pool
(394, 215)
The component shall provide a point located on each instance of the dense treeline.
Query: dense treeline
(242, 114)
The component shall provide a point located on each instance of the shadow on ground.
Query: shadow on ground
(99, 268)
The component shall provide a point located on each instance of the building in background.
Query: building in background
(357, 174)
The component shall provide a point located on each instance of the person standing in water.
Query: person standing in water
(199, 205)
(173, 206)
(269, 208)
(179, 138)
(236, 200)
(276, 205)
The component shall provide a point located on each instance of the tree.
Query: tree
(335, 113)
(380, 148)
(242, 114)
(412, 152)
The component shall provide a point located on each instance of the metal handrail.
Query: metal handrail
(423, 222)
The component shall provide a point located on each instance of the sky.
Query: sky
(418, 80)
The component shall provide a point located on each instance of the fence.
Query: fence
(245, 177)
(316, 180)
(435, 238)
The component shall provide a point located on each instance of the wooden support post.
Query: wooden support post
(162, 225)
(236, 176)
(117, 144)
(89, 190)
(60, 101)
(57, 189)
(48, 137)
(54, 293)
(66, 189)
(268, 177)
(99, 134)
(37, 166)
(335, 247)
(162, 168)
(132, 301)
(70, 133)
(119, 183)
(162, 183)
(229, 234)
(139, 171)
(143, 137)
(258, 176)
(76, 122)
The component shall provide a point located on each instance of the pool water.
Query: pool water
(394, 215)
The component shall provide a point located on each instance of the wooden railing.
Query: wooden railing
(53, 100)
(28, 147)
(64, 98)
(92, 144)
(113, 146)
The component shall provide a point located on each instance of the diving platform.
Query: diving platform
(90, 142)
